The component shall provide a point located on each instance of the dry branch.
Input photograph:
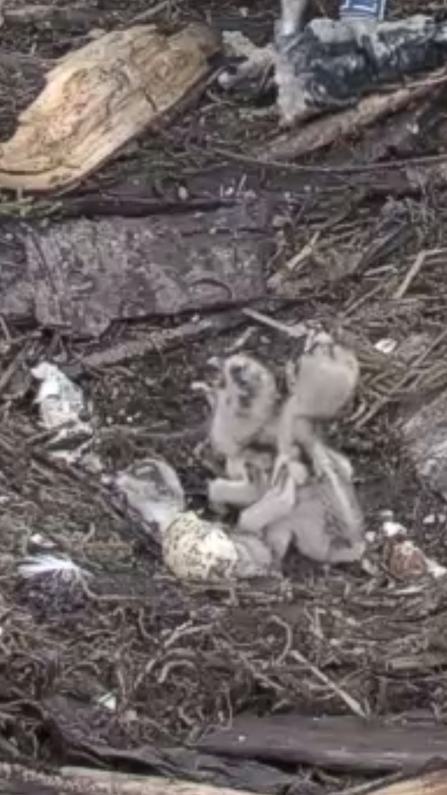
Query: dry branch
(326, 130)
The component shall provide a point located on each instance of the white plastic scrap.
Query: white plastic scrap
(60, 401)
(40, 541)
(61, 404)
(435, 569)
(386, 346)
(109, 701)
(62, 569)
(391, 529)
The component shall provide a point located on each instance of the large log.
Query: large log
(81, 275)
(15, 780)
(338, 743)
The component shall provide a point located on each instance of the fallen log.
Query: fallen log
(16, 780)
(337, 743)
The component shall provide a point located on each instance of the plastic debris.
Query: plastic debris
(60, 401)
(61, 405)
(391, 529)
(40, 541)
(109, 701)
(386, 346)
(435, 569)
(331, 64)
(363, 9)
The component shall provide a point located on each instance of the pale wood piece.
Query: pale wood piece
(99, 97)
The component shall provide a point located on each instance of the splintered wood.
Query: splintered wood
(15, 780)
(99, 97)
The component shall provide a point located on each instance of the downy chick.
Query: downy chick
(326, 523)
(321, 517)
(324, 381)
(243, 430)
(311, 499)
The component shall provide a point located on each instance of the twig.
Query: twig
(156, 341)
(148, 14)
(350, 702)
(381, 402)
(297, 331)
(410, 275)
(8, 374)
(301, 256)
(295, 168)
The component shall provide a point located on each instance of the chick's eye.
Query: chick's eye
(238, 374)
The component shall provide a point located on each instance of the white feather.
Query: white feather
(51, 566)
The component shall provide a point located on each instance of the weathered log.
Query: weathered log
(81, 275)
(15, 780)
(339, 743)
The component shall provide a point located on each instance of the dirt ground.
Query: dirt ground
(135, 658)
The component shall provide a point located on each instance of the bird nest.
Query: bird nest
(128, 656)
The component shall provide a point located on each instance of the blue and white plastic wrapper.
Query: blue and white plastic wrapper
(373, 10)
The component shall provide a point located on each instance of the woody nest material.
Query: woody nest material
(128, 657)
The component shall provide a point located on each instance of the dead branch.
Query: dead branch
(326, 130)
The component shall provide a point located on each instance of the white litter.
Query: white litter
(109, 701)
(40, 541)
(61, 404)
(386, 346)
(435, 569)
(392, 529)
(60, 401)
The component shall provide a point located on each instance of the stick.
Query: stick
(350, 702)
(297, 331)
(411, 274)
(382, 401)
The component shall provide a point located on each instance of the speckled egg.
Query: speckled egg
(194, 549)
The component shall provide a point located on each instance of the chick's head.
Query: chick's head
(249, 383)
